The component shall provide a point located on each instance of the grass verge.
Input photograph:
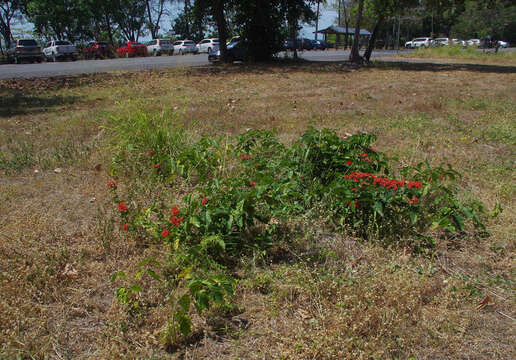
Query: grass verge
(317, 295)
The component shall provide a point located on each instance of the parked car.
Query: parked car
(503, 44)
(25, 49)
(421, 42)
(473, 42)
(235, 52)
(301, 44)
(207, 45)
(234, 39)
(132, 48)
(319, 44)
(185, 46)
(157, 47)
(458, 42)
(60, 49)
(97, 49)
(409, 44)
(442, 41)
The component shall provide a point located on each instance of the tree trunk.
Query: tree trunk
(372, 39)
(218, 14)
(354, 56)
(317, 20)
(150, 23)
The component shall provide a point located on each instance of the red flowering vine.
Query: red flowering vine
(204, 201)
(125, 227)
(175, 210)
(122, 207)
(174, 220)
(165, 233)
(252, 184)
(112, 184)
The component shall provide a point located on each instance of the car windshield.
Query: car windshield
(420, 39)
(63, 43)
(215, 40)
(27, 43)
(189, 43)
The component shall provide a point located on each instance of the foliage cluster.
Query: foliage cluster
(239, 196)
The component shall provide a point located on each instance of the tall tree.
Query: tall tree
(10, 10)
(130, 17)
(155, 10)
(59, 19)
(354, 56)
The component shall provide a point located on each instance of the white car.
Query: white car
(473, 42)
(409, 44)
(458, 42)
(207, 45)
(421, 42)
(503, 44)
(442, 41)
(185, 46)
(157, 47)
(59, 49)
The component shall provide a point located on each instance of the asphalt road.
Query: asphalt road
(61, 68)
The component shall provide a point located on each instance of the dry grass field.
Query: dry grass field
(60, 243)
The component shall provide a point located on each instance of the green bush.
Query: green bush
(251, 185)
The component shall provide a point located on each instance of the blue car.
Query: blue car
(235, 52)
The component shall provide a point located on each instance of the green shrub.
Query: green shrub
(252, 184)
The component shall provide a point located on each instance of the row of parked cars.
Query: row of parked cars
(29, 49)
(428, 42)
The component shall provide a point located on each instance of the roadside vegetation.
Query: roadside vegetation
(468, 53)
(267, 211)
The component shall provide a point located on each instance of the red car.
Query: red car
(97, 49)
(132, 49)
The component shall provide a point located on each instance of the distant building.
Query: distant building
(338, 31)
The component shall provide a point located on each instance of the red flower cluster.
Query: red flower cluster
(125, 227)
(122, 207)
(156, 165)
(245, 157)
(174, 220)
(381, 181)
(415, 184)
(175, 211)
(112, 184)
(349, 162)
(204, 201)
(355, 203)
(252, 184)
(165, 233)
(150, 152)
(414, 200)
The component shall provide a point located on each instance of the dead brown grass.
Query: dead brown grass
(59, 243)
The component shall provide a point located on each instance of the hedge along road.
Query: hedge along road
(62, 68)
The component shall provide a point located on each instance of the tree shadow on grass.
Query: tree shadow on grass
(436, 67)
(17, 103)
(288, 66)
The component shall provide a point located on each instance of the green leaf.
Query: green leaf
(194, 220)
(378, 207)
(153, 274)
(147, 261)
(184, 322)
(413, 217)
(114, 276)
(184, 303)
